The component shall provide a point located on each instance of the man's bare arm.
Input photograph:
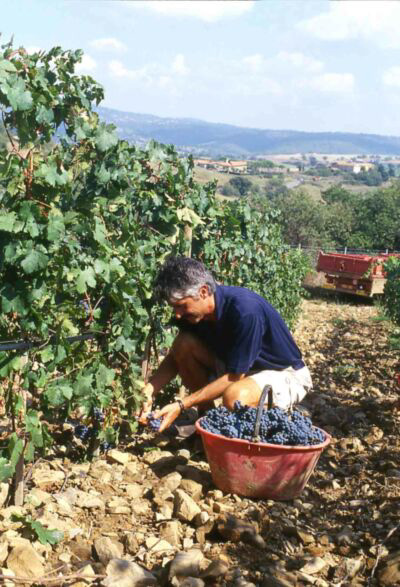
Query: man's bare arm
(213, 390)
(167, 371)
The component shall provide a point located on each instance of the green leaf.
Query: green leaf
(29, 452)
(86, 277)
(10, 252)
(34, 261)
(19, 97)
(6, 469)
(104, 376)
(15, 448)
(116, 267)
(105, 138)
(6, 65)
(7, 221)
(103, 175)
(44, 115)
(46, 355)
(83, 384)
(51, 175)
(100, 232)
(55, 227)
(46, 536)
(57, 394)
(11, 301)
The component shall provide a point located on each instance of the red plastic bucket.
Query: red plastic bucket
(264, 470)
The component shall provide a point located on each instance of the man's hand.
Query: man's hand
(168, 414)
(145, 409)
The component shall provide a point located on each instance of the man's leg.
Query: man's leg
(288, 388)
(194, 362)
(246, 391)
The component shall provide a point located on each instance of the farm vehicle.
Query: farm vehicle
(362, 275)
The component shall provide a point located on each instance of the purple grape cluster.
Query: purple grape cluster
(153, 423)
(84, 433)
(98, 416)
(276, 426)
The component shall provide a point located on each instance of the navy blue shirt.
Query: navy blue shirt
(248, 334)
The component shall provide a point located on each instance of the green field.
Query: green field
(314, 187)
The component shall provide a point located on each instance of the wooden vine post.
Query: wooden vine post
(18, 489)
(188, 236)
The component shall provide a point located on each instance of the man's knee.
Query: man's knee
(234, 392)
(183, 346)
(246, 391)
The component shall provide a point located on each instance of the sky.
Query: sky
(306, 65)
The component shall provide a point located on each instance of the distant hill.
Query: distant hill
(209, 138)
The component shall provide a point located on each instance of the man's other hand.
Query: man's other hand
(168, 414)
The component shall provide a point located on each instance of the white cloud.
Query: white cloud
(377, 21)
(118, 69)
(109, 43)
(87, 65)
(391, 77)
(151, 75)
(179, 66)
(256, 86)
(301, 61)
(338, 83)
(207, 10)
(254, 62)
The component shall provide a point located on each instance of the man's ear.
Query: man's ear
(203, 292)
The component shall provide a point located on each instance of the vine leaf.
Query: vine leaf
(18, 96)
(34, 261)
(7, 221)
(44, 535)
(105, 138)
(86, 277)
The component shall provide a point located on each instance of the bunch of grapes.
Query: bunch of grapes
(84, 433)
(276, 426)
(154, 423)
(98, 416)
(88, 433)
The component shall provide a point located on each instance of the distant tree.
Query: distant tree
(337, 193)
(302, 219)
(312, 160)
(323, 171)
(229, 190)
(276, 187)
(383, 171)
(377, 218)
(372, 177)
(338, 222)
(242, 184)
(391, 170)
(265, 163)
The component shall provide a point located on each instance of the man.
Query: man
(231, 343)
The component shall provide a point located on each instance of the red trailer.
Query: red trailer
(362, 275)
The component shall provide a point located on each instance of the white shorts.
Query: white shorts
(289, 386)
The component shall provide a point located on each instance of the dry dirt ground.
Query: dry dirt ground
(155, 497)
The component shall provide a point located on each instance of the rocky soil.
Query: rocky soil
(149, 514)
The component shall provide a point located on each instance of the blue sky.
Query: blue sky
(302, 65)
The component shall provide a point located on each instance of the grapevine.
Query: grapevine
(85, 221)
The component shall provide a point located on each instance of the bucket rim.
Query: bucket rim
(284, 447)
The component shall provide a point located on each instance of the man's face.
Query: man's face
(191, 309)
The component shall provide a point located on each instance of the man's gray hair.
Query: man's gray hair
(182, 277)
